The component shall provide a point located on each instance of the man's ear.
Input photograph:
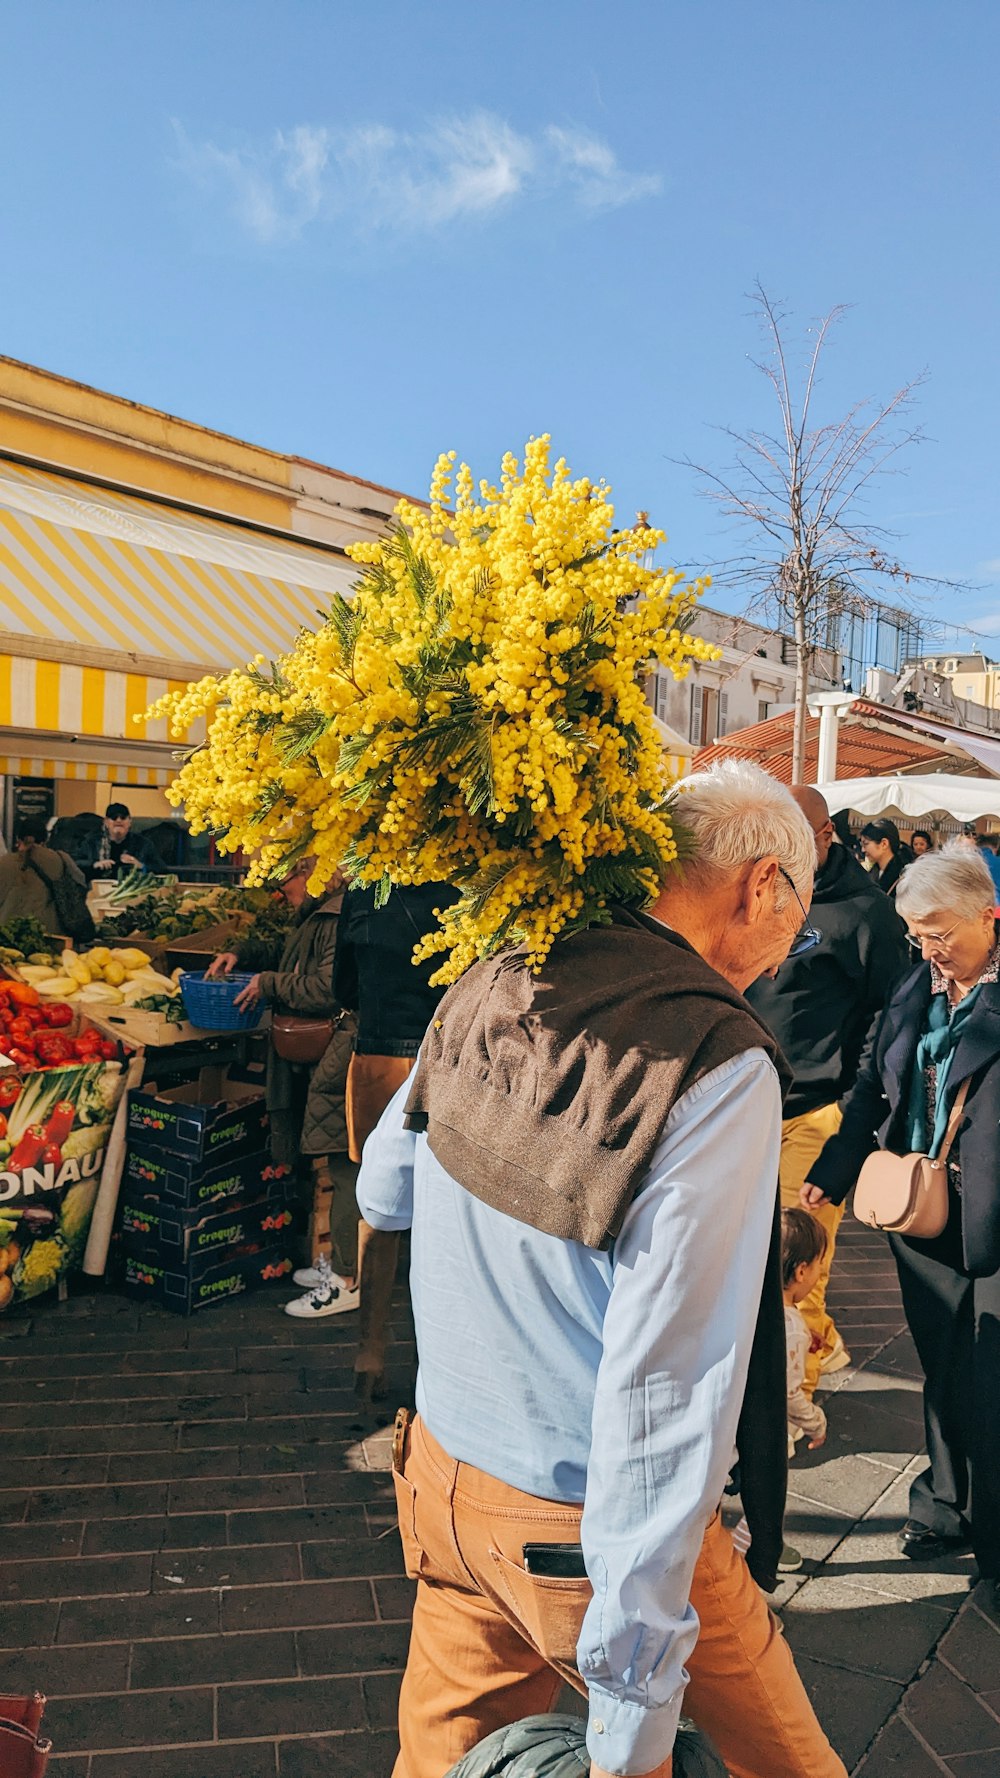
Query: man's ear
(759, 887)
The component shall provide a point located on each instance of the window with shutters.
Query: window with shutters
(762, 709)
(694, 732)
(723, 724)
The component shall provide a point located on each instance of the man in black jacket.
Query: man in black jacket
(819, 1006)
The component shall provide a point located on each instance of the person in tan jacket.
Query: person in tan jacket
(26, 875)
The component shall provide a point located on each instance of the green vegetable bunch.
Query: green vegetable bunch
(24, 936)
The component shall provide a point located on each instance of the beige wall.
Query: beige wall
(80, 796)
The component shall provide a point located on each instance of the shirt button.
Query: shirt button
(597, 1726)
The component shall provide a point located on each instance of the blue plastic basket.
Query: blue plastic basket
(209, 1004)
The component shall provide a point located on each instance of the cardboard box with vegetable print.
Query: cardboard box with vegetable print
(196, 1240)
(205, 1125)
(177, 1290)
(182, 1185)
(56, 1119)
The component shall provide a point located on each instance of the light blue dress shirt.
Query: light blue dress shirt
(613, 1378)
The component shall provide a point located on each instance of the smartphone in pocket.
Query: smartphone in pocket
(555, 1561)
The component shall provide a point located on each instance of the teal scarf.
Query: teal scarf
(938, 1045)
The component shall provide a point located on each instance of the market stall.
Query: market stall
(115, 1084)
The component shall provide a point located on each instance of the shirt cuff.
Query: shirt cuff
(628, 1738)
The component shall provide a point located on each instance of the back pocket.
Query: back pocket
(550, 1611)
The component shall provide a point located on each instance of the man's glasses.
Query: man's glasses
(807, 938)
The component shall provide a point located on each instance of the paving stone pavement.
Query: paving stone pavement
(199, 1564)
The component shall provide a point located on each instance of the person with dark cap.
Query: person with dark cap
(120, 850)
(819, 1006)
(885, 852)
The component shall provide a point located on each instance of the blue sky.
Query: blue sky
(364, 235)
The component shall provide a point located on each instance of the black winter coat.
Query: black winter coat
(374, 973)
(820, 1006)
(876, 1111)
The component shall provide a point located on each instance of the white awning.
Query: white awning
(965, 799)
(984, 749)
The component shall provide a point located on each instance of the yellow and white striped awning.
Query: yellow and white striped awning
(70, 699)
(97, 771)
(80, 565)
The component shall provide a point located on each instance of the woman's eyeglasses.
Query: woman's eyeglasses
(932, 938)
(807, 938)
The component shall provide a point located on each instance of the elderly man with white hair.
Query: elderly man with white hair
(588, 1160)
(939, 1037)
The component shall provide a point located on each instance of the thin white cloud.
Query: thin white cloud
(466, 167)
(593, 168)
(991, 568)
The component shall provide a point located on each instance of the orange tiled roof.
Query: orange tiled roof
(863, 751)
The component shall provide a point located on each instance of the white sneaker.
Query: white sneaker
(326, 1299)
(317, 1276)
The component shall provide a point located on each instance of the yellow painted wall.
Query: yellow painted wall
(985, 687)
(73, 427)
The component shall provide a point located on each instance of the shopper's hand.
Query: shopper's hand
(815, 1443)
(813, 1197)
(224, 964)
(128, 858)
(248, 996)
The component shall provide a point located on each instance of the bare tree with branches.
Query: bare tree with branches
(799, 496)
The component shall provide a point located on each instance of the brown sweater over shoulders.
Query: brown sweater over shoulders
(545, 1096)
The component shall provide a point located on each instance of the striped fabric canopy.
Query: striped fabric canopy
(82, 565)
(97, 771)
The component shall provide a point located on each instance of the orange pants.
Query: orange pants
(491, 1644)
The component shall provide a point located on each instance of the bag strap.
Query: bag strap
(32, 864)
(951, 1129)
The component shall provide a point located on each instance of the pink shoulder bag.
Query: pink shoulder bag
(907, 1194)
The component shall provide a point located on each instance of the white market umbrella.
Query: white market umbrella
(964, 799)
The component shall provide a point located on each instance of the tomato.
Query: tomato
(57, 1015)
(3, 1126)
(109, 1050)
(21, 1058)
(21, 1030)
(10, 1090)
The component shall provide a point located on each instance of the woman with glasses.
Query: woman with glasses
(940, 1029)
